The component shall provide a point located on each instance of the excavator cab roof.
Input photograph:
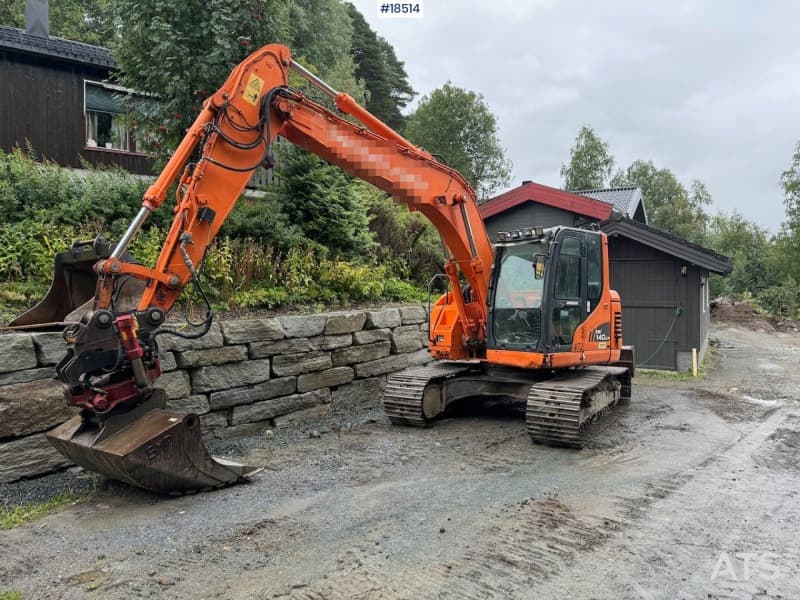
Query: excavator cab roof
(526, 235)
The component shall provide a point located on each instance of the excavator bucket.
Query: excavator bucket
(149, 447)
(72, 287)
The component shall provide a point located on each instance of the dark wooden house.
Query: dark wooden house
(56, 98)
(663, 280)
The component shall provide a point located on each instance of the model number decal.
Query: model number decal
(602, 333)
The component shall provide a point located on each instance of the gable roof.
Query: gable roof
(542, 194)
(56, 48)
(667, 243)
(625, 200)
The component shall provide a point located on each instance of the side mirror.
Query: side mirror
(538, 266)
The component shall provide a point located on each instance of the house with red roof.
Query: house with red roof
(662, 279)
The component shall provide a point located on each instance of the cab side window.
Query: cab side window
(594, 270)
(568, 274)
(567, 313)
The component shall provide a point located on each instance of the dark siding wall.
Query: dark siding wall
(693, 307)
(697, 303)
(652, 286)
(41, 102)
(528, 215)
(705, 312)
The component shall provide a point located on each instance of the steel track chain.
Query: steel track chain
(553, 414)
(403, 395)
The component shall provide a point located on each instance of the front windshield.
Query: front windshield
(516, 285)
(518, 295)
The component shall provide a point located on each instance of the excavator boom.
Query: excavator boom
(111, 366)
(536, 321)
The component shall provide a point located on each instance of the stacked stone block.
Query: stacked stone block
(242, 376)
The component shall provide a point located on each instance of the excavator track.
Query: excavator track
(560, 408)
(404, 399)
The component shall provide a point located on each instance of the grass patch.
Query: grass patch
(653, 375)
(11, 595)
(19, 515)
(650, 375)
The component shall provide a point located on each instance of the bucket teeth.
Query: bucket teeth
(159, 450)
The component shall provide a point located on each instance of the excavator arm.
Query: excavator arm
(112, 356)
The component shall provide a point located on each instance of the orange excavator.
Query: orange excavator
(532, 317)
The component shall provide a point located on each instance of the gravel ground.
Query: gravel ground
(689, 491)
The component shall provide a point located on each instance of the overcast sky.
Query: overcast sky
(709, 90)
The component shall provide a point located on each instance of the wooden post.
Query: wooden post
(694, 362)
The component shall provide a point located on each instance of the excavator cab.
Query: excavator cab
(546, 283)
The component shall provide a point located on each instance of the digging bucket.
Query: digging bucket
(159, 450)
(72, 287)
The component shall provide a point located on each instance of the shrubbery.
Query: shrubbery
(269, 253)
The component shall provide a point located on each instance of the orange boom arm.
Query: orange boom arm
(235, 130)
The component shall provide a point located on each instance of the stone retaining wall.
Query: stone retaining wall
(242, 376)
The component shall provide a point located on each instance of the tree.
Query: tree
(669, 206)
(384, 75)
(86, 21)
(699, 200)
(790, 182)
(182, 50)
(787, 241)
(321, 201)
(590, 162)
(12, 13)
(459, 126)
(320, 32)
(751, 251)
(407, 240)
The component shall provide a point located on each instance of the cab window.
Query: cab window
(594, 270)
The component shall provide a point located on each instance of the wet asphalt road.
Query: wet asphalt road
(690, 491)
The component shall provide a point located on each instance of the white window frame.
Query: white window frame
(129, 141)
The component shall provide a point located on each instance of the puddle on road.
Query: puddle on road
(767, 366)
(735, 408)
(782, 450)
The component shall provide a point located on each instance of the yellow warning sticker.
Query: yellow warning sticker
(252, 90)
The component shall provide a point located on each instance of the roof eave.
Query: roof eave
(693, 254)
(55, 48)
(541, 194)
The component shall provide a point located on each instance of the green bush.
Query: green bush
(100, 200)
(408, 242)
(323, 203)
(261, 258)
(781, 300)
(27, 249)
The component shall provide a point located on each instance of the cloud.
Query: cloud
(707, 89)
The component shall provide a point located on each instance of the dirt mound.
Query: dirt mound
(741, 313)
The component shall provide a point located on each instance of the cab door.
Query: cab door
(567, 291)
